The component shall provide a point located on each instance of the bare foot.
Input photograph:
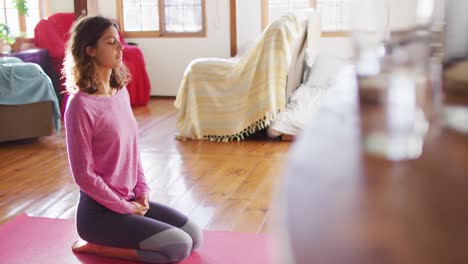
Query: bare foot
(82, 246)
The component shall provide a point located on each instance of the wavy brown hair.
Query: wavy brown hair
(78, 68)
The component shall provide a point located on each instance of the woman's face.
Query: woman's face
(108, 50)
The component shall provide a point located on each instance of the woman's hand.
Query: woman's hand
(139, 208)
(141, 205)
(143, 200)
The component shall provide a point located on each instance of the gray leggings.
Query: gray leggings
(163, 235)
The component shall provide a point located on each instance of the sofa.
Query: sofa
(28, 103)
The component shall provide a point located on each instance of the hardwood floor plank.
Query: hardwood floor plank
(228, 214)
(55, 209)
(222, 186)
(254, 216)
(232, 175)
(251, 184)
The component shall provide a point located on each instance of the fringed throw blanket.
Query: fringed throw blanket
(222, 99)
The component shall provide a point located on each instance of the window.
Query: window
(154, 18)
(334, 13)
(19, 22)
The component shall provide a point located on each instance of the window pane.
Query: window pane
(33, 4)
(182, 2)
(149, 2)
(328, 14)
(334, 13)
(278, 8)
(131, 2)
(13, 21)
(9, 4)
(2, 16)
(132, 19)
(31, 21)
(183, 15)
(150, 18)
(346, 15)
(298, 4)
(141, 15)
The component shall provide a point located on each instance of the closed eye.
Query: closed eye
(112, 41)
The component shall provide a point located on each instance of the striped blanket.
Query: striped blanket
(227, 99)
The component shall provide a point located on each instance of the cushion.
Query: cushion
(305, 48)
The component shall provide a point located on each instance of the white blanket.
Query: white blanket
(305, 100)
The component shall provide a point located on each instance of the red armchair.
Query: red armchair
(53, 33)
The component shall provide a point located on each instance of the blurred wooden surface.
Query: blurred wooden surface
(222, 186)
(345, 206)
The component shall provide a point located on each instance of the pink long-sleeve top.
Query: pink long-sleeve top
(102, 144)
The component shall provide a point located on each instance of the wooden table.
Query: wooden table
(345, 206)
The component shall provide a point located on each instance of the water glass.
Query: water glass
(392, 56)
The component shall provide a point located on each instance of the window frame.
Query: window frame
(161, 33)
(44, 11)
(265, 6)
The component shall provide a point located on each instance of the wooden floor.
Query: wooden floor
(222, 186)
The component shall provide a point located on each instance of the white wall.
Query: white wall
(167, 58)
(249, 28)
(249, 22)
(61, 6)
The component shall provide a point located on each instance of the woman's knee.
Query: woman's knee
(195, 232)
(173, 243)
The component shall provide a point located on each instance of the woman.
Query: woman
(114, 217)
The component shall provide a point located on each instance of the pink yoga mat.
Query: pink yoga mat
(27, 240)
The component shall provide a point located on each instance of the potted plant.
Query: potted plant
(22, 7)
(5, 36)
